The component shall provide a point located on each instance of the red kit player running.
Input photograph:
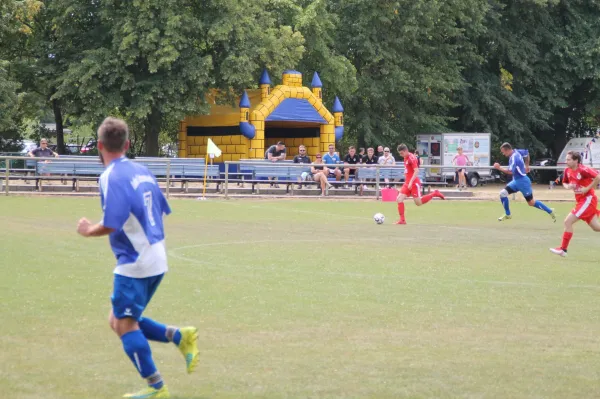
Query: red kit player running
(412, 183)
(582, 181)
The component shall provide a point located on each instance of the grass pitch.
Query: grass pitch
(310, 299)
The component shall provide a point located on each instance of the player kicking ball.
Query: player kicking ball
(582, 181)
(520, 182)
(133, 207)
(412, 183)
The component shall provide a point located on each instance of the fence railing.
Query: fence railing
(8, 165)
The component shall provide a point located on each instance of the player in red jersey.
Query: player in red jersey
(582, 181)
(412, 183)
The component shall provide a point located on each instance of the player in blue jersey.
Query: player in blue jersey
(133, 207)
(518, 168)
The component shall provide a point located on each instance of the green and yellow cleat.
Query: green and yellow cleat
(504, 217)
(553, 216)
(188, 346)
(150, 392)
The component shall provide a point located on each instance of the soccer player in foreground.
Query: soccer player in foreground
(520, 181)
(133, 207)
(412, 183)
(582, 181)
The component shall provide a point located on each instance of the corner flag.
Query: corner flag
(212, 149)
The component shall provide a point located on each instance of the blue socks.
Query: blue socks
(505, 204)
(159, 332)
(137, 348)
(540, 205)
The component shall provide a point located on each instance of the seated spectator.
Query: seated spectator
(276, 153)
(332, 158)
(320, 173)
(387, 160)
(361, 153)
(351, 158)
(379, 151)
(302, 158)
(370, 159)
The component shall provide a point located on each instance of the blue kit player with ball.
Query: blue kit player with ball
(520, 181)
(133, 207)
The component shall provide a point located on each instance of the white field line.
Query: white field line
(173, 253)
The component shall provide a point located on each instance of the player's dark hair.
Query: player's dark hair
(402, 147)
(113, 133)
(506, 146)
(575, 155)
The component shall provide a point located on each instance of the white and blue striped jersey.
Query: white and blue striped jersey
(134, 206)
(516, 164)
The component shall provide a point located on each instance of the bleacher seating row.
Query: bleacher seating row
(185, 170)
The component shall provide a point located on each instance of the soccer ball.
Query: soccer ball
(379, 218)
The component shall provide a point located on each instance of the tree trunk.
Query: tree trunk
(60, 134)
(151, 130)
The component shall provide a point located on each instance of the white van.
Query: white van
(589, 147)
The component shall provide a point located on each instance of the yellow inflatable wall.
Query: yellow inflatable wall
(288, 112)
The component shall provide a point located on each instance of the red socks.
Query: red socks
(401, 210)
(425, 199)
(565, 241)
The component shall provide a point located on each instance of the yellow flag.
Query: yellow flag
(212, 149)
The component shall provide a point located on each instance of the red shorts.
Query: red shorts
(415, 190)
(586, 209)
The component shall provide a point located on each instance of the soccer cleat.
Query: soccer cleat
(504, 217)
(558, 251)
(437, 193)
(553, 215)
(150, 392)
(188, 346)
(401, 221)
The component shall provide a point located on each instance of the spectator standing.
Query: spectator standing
(42, 152)
(276, 153)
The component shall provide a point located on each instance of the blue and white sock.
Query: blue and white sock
(540, 205)
(137, 348)
(155, 331)
(505, 204)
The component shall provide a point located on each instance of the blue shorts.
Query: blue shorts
(523, 185)
(131, 295)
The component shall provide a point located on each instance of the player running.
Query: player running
(520, 182)
(582, 181)
(412, 183)
(133, 207)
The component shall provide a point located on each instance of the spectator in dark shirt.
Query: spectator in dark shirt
(302, 158)
(351, 158)
(276, 153)
(42, 151)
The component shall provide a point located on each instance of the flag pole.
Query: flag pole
(205, 173)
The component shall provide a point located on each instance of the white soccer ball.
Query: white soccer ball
(379, 218)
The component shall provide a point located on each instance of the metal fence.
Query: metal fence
(14, 166)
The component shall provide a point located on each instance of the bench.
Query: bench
(85, 170)
(394, 175)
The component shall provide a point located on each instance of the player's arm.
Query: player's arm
(501, 169)
(526, 160)
(594, 183)
(87, 229)
(565, 181)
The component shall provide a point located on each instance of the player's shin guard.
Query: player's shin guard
(540, 205)
(137, 348)
(426, 198)
(155, 331)
(565, 240)
(505, 205)
(401, 210)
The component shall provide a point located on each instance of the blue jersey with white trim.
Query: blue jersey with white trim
(516, 164)
(133, 206)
